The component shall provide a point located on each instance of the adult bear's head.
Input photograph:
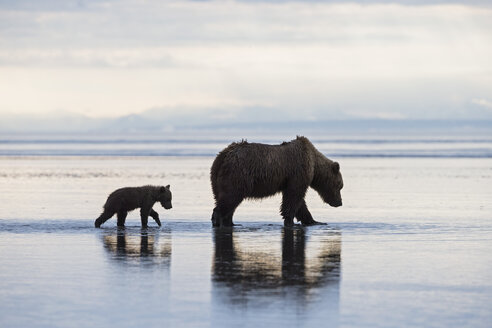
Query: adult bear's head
(328, 182)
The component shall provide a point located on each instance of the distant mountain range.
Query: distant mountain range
(257, 119)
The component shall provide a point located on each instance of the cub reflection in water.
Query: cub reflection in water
(249, 266)
(139, 247)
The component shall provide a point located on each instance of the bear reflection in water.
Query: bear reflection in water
(144, 247)
(243, 269)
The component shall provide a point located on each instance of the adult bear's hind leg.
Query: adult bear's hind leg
(216, 218)
(223, 212)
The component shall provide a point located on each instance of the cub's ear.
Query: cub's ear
(162, 189)
(168, 187)
(335, 167)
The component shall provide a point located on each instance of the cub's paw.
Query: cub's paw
(312, 223)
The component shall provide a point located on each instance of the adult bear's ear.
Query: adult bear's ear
(168, 187)
(335, 167)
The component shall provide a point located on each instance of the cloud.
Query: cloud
(483, 103)
(170, 23)
(331, 59)
(376, 115)
(88, 57)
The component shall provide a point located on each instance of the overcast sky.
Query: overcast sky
(316, 59)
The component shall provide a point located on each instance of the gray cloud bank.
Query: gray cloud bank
(242, 61)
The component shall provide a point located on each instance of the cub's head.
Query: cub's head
(165, 197)
(328, 184)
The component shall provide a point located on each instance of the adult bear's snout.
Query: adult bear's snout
(337, 203)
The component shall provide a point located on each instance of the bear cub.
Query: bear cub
(123, 200)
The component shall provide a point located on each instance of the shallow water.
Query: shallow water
(410, 247)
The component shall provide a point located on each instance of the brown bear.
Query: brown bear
(123, 200)
(254, 170)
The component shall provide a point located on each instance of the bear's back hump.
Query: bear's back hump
(261, 157)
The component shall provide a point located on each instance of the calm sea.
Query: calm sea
(410, 247)
(470, 146)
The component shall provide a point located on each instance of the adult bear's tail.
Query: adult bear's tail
(214, 172)
(218, 164)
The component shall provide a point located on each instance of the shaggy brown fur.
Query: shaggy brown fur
(123, 200)
(254, 170)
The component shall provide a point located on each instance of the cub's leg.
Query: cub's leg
(144, 216)
(155, 216)
(105, 216)
(121, 218)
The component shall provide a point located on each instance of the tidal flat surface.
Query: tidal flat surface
(412, 246)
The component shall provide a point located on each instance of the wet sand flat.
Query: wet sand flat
(410, 247)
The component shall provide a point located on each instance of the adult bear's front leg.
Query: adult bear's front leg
(305, 216)
(291, 201)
